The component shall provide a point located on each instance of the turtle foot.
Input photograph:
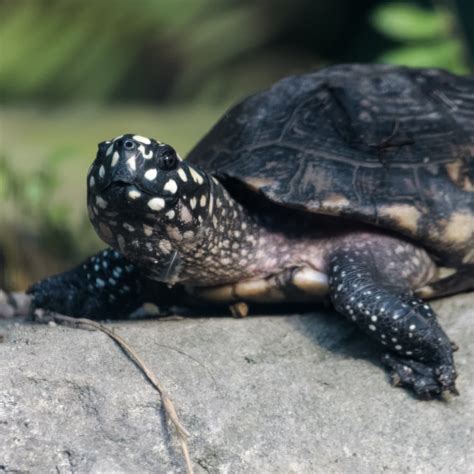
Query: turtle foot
(426, 381)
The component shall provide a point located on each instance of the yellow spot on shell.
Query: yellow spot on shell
(457, 172)
(404, 215)
(460, 229)
(335, 203)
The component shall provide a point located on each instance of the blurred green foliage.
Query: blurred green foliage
(89, 50)
(428, 37)
(38, 231)
(55, 50)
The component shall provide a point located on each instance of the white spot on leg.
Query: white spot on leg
(372, 327)
(134, 194)
(91, 181)
(101, 171)
(157, 204)
(147, 230)
(193, 203)
(203, 200)
(171, 186)
(151, 174)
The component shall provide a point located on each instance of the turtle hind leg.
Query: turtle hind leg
(104, 286)
(369, 284)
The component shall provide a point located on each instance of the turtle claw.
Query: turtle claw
(427, 382)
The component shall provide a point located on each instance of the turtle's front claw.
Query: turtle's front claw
(426, 381)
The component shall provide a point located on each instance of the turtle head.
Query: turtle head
(144, 200)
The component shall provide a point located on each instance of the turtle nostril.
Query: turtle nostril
(129, 144)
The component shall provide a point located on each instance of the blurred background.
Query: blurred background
(76, 72)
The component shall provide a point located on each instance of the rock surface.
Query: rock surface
(279, 394)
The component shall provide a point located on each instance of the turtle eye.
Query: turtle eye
(168, 159)
(129, 144)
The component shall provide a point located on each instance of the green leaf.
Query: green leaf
(408, 22)
(445, 54)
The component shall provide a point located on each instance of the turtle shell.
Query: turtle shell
(386, 145)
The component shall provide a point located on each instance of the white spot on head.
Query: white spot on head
(372, 327)
(412, 327)
(156, 204)
(109, 150)
(101, 171)
(189, 234)
(91, 181)
(99, 283)
(170, 214)
(102, 203)
(193, 203)
(374, 318)
(141, 139)
(146, 154)
(203, 200)
(151, 174)
(171, 186)
(398, 347)
(129, 227)
(115, 158)
(132, 163)
(182, 175)
(196, 176)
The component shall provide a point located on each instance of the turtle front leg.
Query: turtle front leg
(364, 288)
(106, 285)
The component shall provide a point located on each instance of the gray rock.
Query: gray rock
(280, 394)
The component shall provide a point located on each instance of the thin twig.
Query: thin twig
(132, 354)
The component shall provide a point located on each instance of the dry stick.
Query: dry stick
(132, 354)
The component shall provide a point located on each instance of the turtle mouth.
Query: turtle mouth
(124, 186)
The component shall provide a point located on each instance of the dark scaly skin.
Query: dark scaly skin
(106, 285)
(382, 304)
